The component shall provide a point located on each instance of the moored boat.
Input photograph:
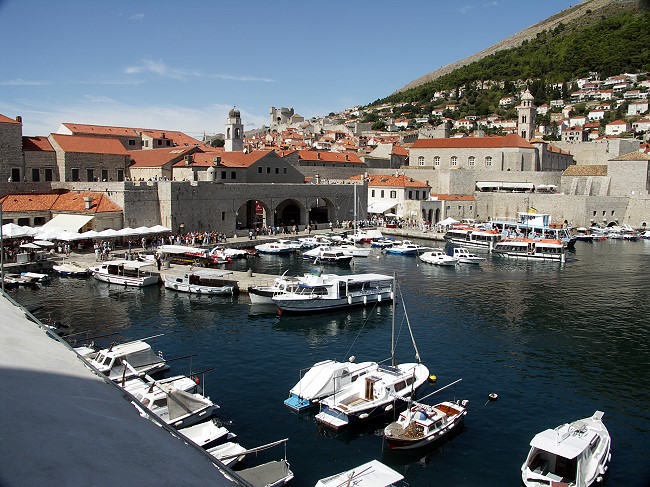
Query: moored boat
(464, 256)
(208, 433)
(472, 236)
(531, 249)
(70, 269)
(405, 248)
(274, 248)
(202, 281)
(263, 293)
(124, 272)
(438, 257)
(126, 360)
(370, 474)
(574, 454)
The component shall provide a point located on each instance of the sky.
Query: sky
(183, 65)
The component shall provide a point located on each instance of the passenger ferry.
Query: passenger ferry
(533, 225)
(472, 236)
(531, 249)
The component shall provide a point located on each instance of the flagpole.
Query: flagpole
(2, 253)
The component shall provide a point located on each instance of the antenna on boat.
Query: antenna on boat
(392, 335)
(408, 324)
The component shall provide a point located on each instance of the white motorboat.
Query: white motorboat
(175, 407)
(385, 388)
(573, 454)
(263, 294)
(354, 250)
(464, 256)
(35, 276)
(422, 424)
(370, 474)
(274, 248)
(208, 433)
(229, 453)
(405, 248)
(384, 242)
(124, 272)
(330, 291)
(70, 269)
(202, 281)
(331, 256)
(269, 474)
(345, 250)
(438, 257)
(139, 358)
(531, 249)
(141, 386)
(324, 379)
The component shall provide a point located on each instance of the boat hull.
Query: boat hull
(126, 280)
(196, 289)
(317, 304)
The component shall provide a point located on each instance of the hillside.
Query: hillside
(583, 15)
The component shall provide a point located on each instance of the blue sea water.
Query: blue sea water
(555, 342)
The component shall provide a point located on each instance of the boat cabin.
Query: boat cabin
(138, 354)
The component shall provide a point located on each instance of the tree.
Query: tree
(218, 142)
(378, 126)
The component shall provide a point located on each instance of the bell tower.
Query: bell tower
(526, 112)
(234, 132)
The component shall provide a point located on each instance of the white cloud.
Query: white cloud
(465, 9)
(161, 69)
(491, 4)
(139, 16)
(23, 82)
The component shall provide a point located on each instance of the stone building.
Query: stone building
(234, 132)
(40, 160)
(397, 195)
(12, 166)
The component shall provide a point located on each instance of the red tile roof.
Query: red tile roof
(453, 197)
(89, 145)
(37, 144)
(510, 140)
(400, 181)
(4, 119)
(72, 202)
(178, 138)
(158, 157)
(228, 159)
(398, 150)
(321, 156)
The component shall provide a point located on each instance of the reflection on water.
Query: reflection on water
(556, 342)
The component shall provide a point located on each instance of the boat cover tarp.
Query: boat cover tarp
(266, 474)
(181, 403)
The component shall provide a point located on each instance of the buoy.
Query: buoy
(349, 299)
(493, 396)
(365, 300)
(433, 378)
(196, 379)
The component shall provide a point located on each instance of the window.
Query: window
(436, 161)
(90, 174)
(223, 216)
(49, 175)
(410, 194)
(15, 174)
(223, 174)
(120, 174)
(488, 161)
(454, 160)
(131, 142)
(421, 161)
(233, 174)
(74, 173)
(268, 170)
(159, 142)
(381, 194)
(36, 175)
(372, 193)
(277, 170)
(471, 161)
(285, 171)
(104, 174)
(393, 194)
(39, 221)
(146, 143)
(259, 170)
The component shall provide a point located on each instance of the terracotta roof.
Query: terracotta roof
(316, 156)
(158, 157)
(398, 150)
(228, 159)
(453, 197)
(618, 122)
(72, 202)
(557, 150)
(632, 156)
(89, 145)
(586, 170)
(37, 144)
(4, 119)
(178, 138)
(510, 140)
(401, 181)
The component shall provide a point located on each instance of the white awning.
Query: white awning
(72, 223)
(503, 185)
(380, 206)
(517, 185)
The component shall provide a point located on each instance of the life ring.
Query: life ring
(493, 396)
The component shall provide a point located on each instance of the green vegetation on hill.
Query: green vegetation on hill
(610, 46)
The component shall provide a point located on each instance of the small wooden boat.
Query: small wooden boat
(370, 474)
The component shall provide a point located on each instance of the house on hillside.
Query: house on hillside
(617, 127)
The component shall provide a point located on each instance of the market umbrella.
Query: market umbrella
(29, 246)
(44, 243)
(11, 230)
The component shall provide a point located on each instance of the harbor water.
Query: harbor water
(555, 342)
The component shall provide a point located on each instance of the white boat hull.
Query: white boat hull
(317, 303)
(197, 289)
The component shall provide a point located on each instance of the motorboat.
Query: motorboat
(345, 250)
(324, 379)
(332, 256)
(365, 236)
(70, 269)
(263, 294)
(384, 242)
(422, 424)
(270, 474)
(35, 277)
(574, 454)
(294, 245)
(472, 236)
(370, 474)
(438, 257)
(202, 281)
(138, 385)
(323, 292)
(274, 248)
(229, 254)
(176, 407)
(531, 249)
(354, 250)
(645, 235)
(384, 389)
(228, 453)
(139, 358)
(187, 255)
(208, 433)
(405, 248)
(533, 225)
(125, 273)
(464, 256)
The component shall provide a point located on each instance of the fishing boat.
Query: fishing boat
(125, 273)
(70, 269)
(126, 360)
(405, 248)
(323, 379)
(202, 281)
(438, 257)
(531, 249)
(370, 474)
(384, 389)
(323, 292)
(464, 256)
(263, 293)
(473, 237)
(421, 424)
(574, 454)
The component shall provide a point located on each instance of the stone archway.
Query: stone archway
(321, 210)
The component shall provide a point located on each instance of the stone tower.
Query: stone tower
(234, 132)
(526, 112)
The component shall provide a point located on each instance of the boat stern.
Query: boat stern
(298, 403)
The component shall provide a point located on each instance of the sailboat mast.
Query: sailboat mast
(392, 335)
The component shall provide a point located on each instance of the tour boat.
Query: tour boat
(370, 474)
(324, 379)
(263, 294)
(438, 257)
(126, 360)
(405, 248)
(472, 237)
(464, 256)
(531, 249)
(125, 273)
(202, 281)
(421, 424)
(330, 291)
(534, 225)
(573, 454)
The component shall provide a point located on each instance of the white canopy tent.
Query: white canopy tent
(447, 222)
(11, 230)
(71, 223)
